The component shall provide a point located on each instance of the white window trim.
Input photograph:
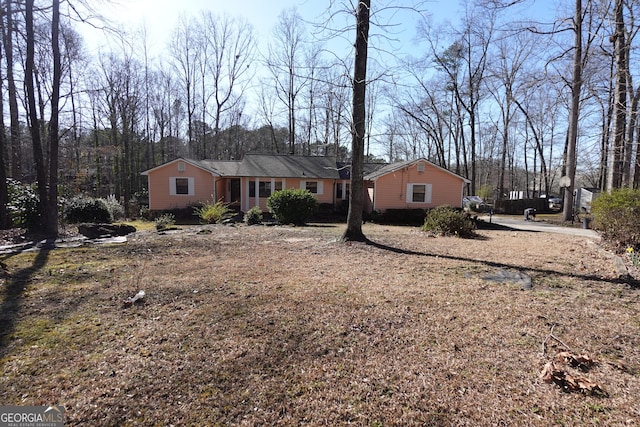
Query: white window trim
(303, 186)
(172, 185)
(427, 193)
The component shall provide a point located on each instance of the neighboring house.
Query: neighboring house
(414, 184)
(249, 182)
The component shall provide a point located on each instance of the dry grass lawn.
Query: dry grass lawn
(288, 326)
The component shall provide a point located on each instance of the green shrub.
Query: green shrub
(23, 206)
(115, 208)
(144, 212)
(165, 221)
(253, 216)
(87, 209)
(615, 216)
(291, 206)
(213, 213)
(447, 221)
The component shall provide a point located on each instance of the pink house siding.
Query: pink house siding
(221, 192)
(443, 188)
(248, 183)
(325, 190)
(201, 186)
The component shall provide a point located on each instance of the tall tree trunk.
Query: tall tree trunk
(576, 86)
(14, 125)
(33, 115)
(358, 126)
(5, 220)
(51, 225)
(616, 154)
(628, 168)
(607, 118)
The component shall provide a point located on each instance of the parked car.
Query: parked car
(475, 204)
(555, 202)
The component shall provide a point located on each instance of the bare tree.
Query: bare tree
(284, 61)
(185, 53)
(8, 29)
(353, 232)
(5, 220)
(51, 224)
(232, 44)
(36, 137)
(616, 154)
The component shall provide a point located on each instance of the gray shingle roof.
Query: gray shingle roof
(274, 166)
(220, 167)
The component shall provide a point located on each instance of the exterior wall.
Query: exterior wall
(391, 189)
(247, 202)
(221, 192)
(159, 186)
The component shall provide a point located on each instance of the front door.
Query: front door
(235, 190)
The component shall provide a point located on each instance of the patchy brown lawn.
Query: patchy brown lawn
(287, 326)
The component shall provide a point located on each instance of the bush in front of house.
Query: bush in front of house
(87, 209)
(447, 221)
(616, 216)
(253, 216)
(292, 206)
(213, 213)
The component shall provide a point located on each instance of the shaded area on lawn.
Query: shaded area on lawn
(629, 281)
(14, 290)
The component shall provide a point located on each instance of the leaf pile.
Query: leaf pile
(560, 371)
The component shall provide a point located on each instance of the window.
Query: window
(278, 186)
(339, 192)
(182, 186)
(418, 193)
(264, 188)
(180, 166)
(252, 189)
(312, 186)
(179, 186)
(315, 187)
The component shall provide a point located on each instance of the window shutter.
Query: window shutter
(320, 187)
(427, 193)
(192, 187)
(303, 185)
(409, 193)
(172, 186)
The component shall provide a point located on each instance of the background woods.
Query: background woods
(507, 102)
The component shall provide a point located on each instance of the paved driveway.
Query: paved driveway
(521, 224)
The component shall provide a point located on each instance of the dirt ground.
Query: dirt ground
(270, 325)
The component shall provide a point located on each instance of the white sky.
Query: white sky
(160, 16)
